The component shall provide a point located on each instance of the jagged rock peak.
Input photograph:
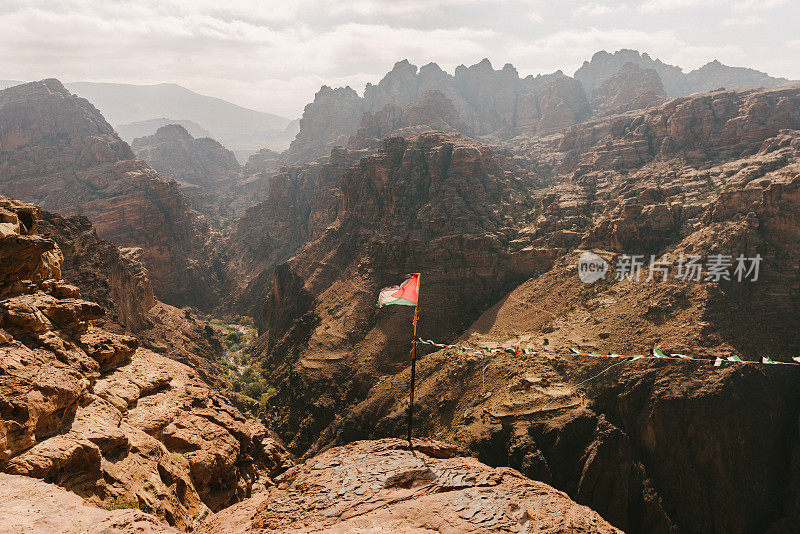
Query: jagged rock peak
(173, 130)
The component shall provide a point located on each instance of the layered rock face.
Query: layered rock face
(57, 150)
(328, 121)
(487, 102)
(204, 169)
(708, 174)
(433, 111)
(712, 76)
(629, 89)
(117, 280)
(92, 412)
(382, 486)
(303, 200)
(416, 205)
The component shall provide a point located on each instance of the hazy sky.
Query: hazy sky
(274, 55)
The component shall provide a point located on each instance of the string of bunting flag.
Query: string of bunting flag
(655, 353)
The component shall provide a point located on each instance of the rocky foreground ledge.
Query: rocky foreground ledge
(366, 487)
(381, 486)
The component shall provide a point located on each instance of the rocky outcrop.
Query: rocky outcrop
(35, 507)
(381, 485)
(92, 412)
(117, 280)
(487, 102)
(57, 150)
(263, 161)
(328, 121)
(204, 169)
(712, 76)
(708, 128)
(433, 111)
(415, 205)
(631, 88)
(303, 200)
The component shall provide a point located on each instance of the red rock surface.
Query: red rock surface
(383, 487)
(33, 507)
(56, 150)
(88, 410)
(712, 173)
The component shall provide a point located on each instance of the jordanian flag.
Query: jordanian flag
(403, 295)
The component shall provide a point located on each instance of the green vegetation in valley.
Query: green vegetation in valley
(122, 504)
(249, 388)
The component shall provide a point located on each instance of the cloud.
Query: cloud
(275, 55)
(596, 9)
(754, 5)
(535, 17)
(742, 21)
(232, 56)
(660, 6)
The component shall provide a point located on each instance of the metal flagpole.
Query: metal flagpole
(413, 365)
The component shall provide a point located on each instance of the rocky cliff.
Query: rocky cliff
(118, 281)
(92, 412)
(709, 174)
(382, 486)
(205, 170)
(303, 200)
(713, 75)
(631, 88)
(415, 205)
(57, 150)
(486, 102)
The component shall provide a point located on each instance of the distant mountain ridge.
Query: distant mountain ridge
(142, 109)
(712, 75)
(129, 132)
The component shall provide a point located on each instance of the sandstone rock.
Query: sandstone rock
(629, 89)
(381, 486)
(327, 122)
(486, 102)
(33, 507)
(117, 280)
(85, 409)
(414, 205)
(707, 78)
(57, 150)
(205, 170)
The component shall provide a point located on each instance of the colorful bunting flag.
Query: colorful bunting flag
(654, 353)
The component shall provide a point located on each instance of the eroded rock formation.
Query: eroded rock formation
(714, 75)
(486, 102)
(631, 88)
(382, 486)
(205, 170)
(92, 412)
(56, 150)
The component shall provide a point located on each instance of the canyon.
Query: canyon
(119, 395)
